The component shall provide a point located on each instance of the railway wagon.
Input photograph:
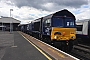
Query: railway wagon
(57, 28)
(83, 30)
(23, 28)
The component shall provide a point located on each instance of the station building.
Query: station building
(7, 23)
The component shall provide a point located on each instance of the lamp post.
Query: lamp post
(2, 26)
(2, 23)
(10, 21)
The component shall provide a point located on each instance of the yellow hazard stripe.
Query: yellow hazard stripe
(38, 49)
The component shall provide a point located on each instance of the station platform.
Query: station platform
(22, 50)
(26, 47)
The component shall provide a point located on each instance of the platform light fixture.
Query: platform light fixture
(10, 21)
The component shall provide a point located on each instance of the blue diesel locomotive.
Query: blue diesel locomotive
(57, 28)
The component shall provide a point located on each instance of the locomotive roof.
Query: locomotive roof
(64, 12)
(61, 13)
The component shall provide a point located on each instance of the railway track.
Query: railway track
(85, 46)
(81, 51)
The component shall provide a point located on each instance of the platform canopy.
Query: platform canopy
(9, 20)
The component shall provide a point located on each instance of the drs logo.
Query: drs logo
(47, 30)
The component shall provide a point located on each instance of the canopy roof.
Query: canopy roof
(9, 20)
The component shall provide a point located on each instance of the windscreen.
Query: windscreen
(69, 22)
(57, 22)
(63, 22)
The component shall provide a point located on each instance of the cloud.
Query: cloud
(84, 14)
(24, 13)
(27, 10)
(50, 5)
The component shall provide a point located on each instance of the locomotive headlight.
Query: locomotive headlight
(72, 37)
(55, 37)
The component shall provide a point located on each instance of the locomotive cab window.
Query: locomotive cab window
(47, 22)
(57, 22)
(69, 22)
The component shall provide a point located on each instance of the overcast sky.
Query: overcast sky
(27, 10)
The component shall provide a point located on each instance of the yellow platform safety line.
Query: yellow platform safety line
(38, 48)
